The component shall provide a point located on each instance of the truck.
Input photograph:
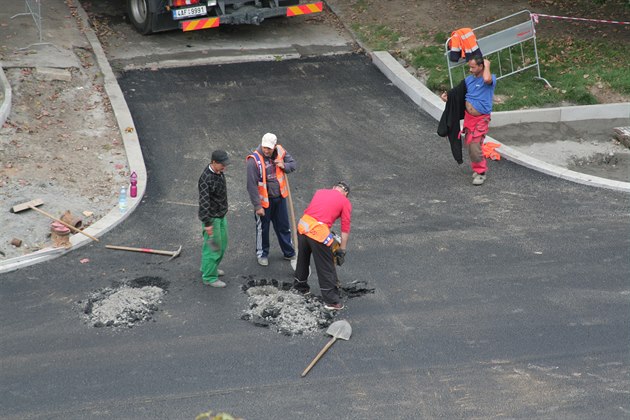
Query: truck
(150, 16)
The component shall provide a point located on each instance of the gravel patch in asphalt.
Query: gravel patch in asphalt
(276, 306)
(125, 304)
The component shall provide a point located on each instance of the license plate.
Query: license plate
(189, 12)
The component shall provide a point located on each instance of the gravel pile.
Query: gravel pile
(125, 304)
(287, 312)
(275, 305)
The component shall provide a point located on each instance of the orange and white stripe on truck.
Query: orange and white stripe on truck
(195, 24)
(305, 9)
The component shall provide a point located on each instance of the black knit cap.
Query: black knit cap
(344, 186)
(221, 156)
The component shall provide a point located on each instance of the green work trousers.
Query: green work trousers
(213, 249)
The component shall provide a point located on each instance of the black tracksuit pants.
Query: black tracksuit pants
(324, 265)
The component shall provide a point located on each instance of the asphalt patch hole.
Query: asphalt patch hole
(274, 305)
(277, 306)
(125, 304)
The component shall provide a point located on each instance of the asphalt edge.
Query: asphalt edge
(131, 143)
(433, 105)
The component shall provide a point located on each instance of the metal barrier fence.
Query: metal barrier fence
(506, 41)
(34, 9)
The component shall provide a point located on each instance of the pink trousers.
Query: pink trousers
(475, 130)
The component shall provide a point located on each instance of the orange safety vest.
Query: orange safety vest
(262, 178)
(315, 230)
(463, 44)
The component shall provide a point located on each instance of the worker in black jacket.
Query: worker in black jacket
(213, 207)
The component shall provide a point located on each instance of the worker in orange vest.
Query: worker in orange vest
(267, 186)
(315, 237)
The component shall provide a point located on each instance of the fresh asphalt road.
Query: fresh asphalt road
(506, 300)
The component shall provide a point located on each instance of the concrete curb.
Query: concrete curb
(434, 106)
(132, 150)
(5, 108)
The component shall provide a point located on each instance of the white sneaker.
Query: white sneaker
(478, 179)
(263, 261)
(220, 272)
(217, 283)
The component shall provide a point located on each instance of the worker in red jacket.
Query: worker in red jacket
(315, 237)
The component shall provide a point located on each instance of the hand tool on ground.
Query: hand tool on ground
(173, 254)
(338, 330)
(292, 220)
(38, 202)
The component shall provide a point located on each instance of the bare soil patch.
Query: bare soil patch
(60, 143)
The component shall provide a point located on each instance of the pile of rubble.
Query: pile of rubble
(288, 312)
(275, 305)
(125, 304)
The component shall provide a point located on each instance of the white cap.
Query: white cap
(269, 140)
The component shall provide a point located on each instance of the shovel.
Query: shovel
(292, 220)
(338, 329)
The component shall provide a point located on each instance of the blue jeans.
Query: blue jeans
(277, 214)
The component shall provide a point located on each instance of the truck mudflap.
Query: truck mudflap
(250, 15)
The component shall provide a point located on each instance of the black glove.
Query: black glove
(340, 256)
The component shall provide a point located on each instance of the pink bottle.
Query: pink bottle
(133, 191)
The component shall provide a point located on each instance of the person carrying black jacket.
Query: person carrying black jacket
(452, 115)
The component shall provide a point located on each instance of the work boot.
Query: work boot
(334, 306)
(263, 261)
(478, 179)
(306, 293)
(217, 283)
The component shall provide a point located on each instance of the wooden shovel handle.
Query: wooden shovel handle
(319, 356)
(291, 214)
(68, 225)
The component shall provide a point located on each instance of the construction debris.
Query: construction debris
(623, 135)
(274, 305)
(60, 235)
(125, 304)
(356, 288)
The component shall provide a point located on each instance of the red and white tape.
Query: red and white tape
(535, 17)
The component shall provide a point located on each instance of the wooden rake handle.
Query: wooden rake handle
(69, 226)
(319, 356)
(146, 250)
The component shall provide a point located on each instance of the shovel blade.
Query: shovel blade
(340, 329)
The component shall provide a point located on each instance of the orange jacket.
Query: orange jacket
(315, 230)
(463, 44)
(489, 150)
(262, 180)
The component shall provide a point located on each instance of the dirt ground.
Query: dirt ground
(418, 21)
(61, 142)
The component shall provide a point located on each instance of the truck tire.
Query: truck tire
(142, 15)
